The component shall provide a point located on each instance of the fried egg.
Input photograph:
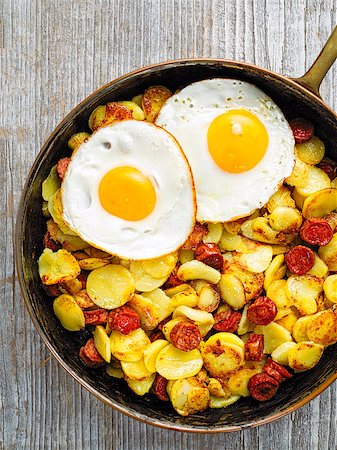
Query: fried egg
(237, 141)
(128, 190)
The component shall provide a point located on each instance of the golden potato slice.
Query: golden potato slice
(56, 211)
(57, 267)
(232, 291)
(259, 229)
(303, 291)
(332, 219)
(234, 226)
(69, 313)
(299, 175)
(174, 364)
(289, 321)
(97, 117)
(299, 331)
(319, 269)
(69, 242)
(115, 372)
(93, 263)
(45, 210)
(160, 267)
(299, 199)
(277, 293)
(279, 249)
(320, 203)
(72, 287)
(282, 312)
(208, 299)
(168, 327)
(334, 183)
(274, 335)
(312, 151)
(102, 343)
(305, 355)
(129, 347)
(83, 300)
(217, 402)
(150, 354)
(322, 328)
(253, 256)
(218, 389)
(280, 354)
(153, 99)
(143, 281)
(147, 310)
(188, 297)
(137, 99)
(252, 282)
(282, 197)
(159, 298)
(214, 233)
(141, 387)
(273, 271)
(110, 286)
(231, 338)
(229, 241)
(202, 319)
(136, 370)
(116, 112)
(245, 325)
(221, 358)
(189, 396)
(186, 256)
(286, 219)
(51, 184)
(330, 288)
(93, 252)
(328, 253)
(170, 292)
(197, 270)
(137, 112)
(238, 382)
(317, 180)
(77, 139)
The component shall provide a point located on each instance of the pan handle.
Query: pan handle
(313, 77)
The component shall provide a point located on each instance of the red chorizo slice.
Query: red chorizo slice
(90, 355)
(316, 231)
(300, 259)
(96, 317)
(124, 319)
(159, 388)
(199, 232)
(185, 336)
(262, 387)
(276, 371)
(62, 167)
(302, 129)
(173, 279)
(254, 347)
(48, 242)
(262, 311)
(329, 166)
(209, 254)
(227, 321)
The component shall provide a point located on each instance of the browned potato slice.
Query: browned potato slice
(159, 298)
(319, 269)
(320, 203)
(282, 197)
(303, 291)
(143, 281)
(299, 199)
(218, 402)
(70, 243)
(330, 288)
(129, 347)
(77, 139)
(218, 388)
(93, 263)
(93, 252)
(286, 219)
(322, 328)
(55, 208)
(229, 241)
(289, 321)
(329, 253)
(280, 354)
(277, 293)
(174, 364)
(97, 117)
(189, 396)
(137, 99)
(51, 184)
(160, 267)
(72, 286)
(300, 329)
(102, 343)
(170, 292)
(214, 233)
(332, 220)
(252, 282)
(299, 175)
(188, 297)
(209, 298)
(232, 291)
(312, 151)
(57, 267)
(273, 271)
(151, 353)
(253, 256)
(186, 255)
(153, 99)
(141, 387)
(202, 319)
(305, 355)
(136, 110)
(69, 313)
(238, 382)
(197, 270)
(245, 325)
(317, 180)
(147, 310)
(136, 370)
(274, 335)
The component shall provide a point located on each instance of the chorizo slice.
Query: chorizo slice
(316, 231)
(124, 319)
(185, 336)
(276, 371)
(254, 347)
(262, 387)
(90, 356)
(262, 311)
(299, 259)
(209, 254)
(227, 321)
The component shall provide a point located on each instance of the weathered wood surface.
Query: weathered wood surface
(52, 55)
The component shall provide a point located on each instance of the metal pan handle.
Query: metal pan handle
(313, 77)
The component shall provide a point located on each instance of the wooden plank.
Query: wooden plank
(52, 55)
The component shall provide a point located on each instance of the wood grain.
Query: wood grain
(52, 55)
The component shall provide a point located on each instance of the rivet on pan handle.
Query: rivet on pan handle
(313, 77)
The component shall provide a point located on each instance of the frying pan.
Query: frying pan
(296, 97)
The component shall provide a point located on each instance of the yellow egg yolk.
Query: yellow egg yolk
(127, 193)
(237, 140)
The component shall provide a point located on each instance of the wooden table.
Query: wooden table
(52, 55)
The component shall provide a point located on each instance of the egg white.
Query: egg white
(155, 153)
(223, 196)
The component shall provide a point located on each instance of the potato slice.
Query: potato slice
(303, 291)
(282, 312)
(147, 310)
(168, 327)
(160, 267)
(299, 175)
(110, 286)
(320, 203)
(137, 112)
(97, 117)
(322, 328)
(102, 343)
(305, 355)
(57, 267)
(216, 402)
(152, 101)
(252, 282)
(93, 263)
(186, 256)
(51, 184)
(217, 388)
(136, 370)
(332, 219)
(274, 335)
(280, 354)
(258, 229)
(328, 253)
(312, 151)
(143, 281)
(299, 199)
(159, 298)
(289, 321)
(208, 299)
(214, 233)
(330, 288)
(282, 197)
(245, 325)
(188, 297)
(273, 271)
(129, 347)
(55, 208)
(115, 372)
(151, 353)
(286, 219)
(232, 291)
(77, 139)
(72, 287)
(277, 293)
(319, 269)
(69, 313)
(299, 331)
(202, 319)
(170, 292)
(253, 256)
(174, 364)
(317, 180)
(69, 242)
(231, 338)
(189, 396)
(141, 387)
(238, 382)
(197, 270)
(229, 241)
